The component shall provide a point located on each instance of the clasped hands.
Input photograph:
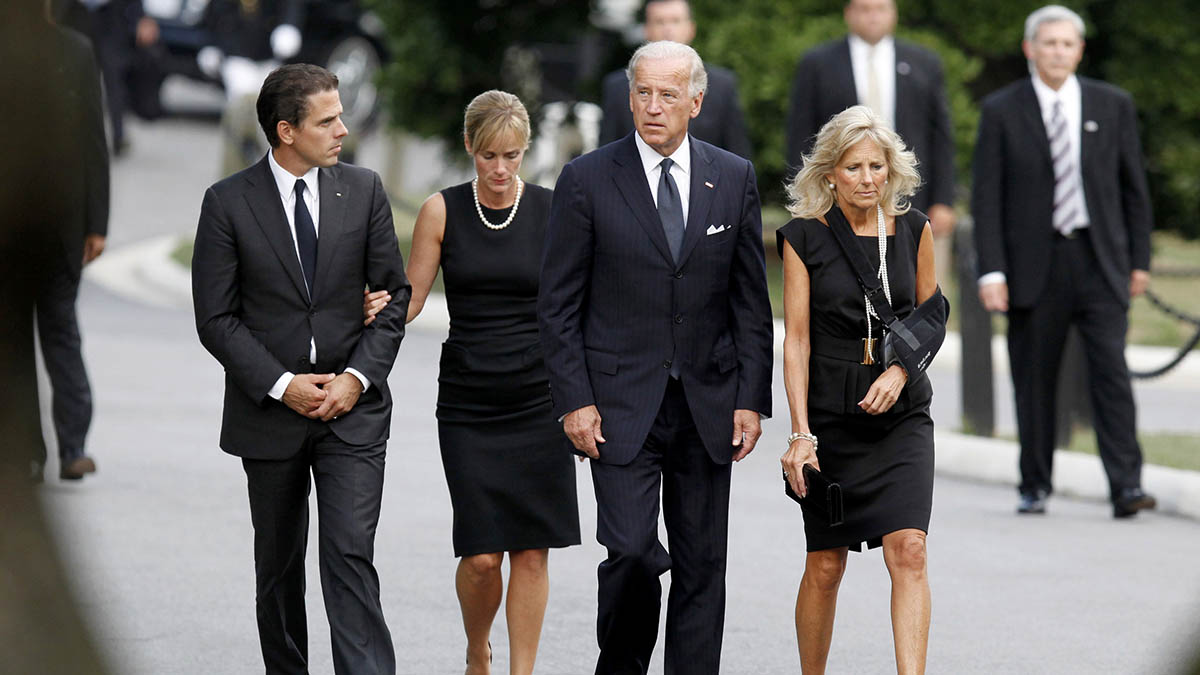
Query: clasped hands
(324, 396)
(582, 426)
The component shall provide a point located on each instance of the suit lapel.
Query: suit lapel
(333, 220)
(1087, 113)
(844, 72)
(901, 72)
(267, 207)
(699, 200)
(1031, 112)
(630, 178)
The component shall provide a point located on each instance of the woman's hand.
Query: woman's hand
(373, 303)
(800, 452)
(884, 391)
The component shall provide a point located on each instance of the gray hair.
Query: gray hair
(1051, 14)
(808, 193)
(666, 50)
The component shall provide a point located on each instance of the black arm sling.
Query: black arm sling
(911, 342)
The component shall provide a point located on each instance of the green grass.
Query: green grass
(1181, 451)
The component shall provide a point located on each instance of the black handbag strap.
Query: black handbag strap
(868, 276)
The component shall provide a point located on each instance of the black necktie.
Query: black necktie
(306, 237)
(670, 208)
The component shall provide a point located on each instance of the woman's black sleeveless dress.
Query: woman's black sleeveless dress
(511, 481)
(883, 462)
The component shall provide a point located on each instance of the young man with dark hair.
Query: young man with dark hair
(283, 252)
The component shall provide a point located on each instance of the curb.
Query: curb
(144, 271)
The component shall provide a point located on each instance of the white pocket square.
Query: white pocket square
(713, 229)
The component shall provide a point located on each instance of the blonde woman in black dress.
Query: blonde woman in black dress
(512, 483)
(872, 423)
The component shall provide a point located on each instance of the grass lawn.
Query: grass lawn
(1181, 451)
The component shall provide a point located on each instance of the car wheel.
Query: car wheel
(355, 61)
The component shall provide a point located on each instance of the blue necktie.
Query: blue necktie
(670, 209)
(306, 237)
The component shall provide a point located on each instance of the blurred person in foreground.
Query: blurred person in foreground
(872, 423)
(900, 81)
(720, 121)
(511, 482)
(283, 252)
(656, 325)
(1062, 228)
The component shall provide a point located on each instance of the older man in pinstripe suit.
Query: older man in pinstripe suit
(656, 325)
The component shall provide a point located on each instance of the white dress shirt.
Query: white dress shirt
(882, 58)
(680, 170)
(285, 182)
(1072, 109)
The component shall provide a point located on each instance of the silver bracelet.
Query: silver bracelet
(802, 435)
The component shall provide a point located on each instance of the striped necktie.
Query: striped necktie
(1066, 179)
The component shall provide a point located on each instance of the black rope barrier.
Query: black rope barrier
(1179, 315)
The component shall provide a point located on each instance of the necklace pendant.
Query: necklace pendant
(868, 358)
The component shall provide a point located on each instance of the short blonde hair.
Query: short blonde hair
(491, 116)
(808, 193)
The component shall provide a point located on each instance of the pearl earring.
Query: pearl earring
(831, 186)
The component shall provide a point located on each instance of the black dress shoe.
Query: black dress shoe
(1130, 501)
(1032, 502)
(75, 469)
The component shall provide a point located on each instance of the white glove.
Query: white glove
(209, 59)
(285, 41)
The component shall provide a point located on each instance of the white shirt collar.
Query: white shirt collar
(886, 44)
(285, 181)
(1068, 93)
(682, 157)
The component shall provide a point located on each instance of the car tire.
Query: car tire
(356, 61)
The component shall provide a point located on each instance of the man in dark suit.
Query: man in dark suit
(656, 325)
(898, 80)
(1062, 227)
(283, 252)
(56, 218)
(720, 123)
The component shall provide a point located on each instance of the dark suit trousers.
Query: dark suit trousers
(695, 505)
(1074, 293)
(62, 352)
(349, 483)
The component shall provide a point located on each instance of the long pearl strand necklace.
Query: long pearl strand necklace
(881, 229)
(511, 214)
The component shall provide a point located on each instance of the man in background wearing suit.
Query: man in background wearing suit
(720, 122)
(283, 252)
(656, 326)
(55, 197)
(898, 80)
(1062, 226)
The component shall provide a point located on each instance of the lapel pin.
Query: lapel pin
(338, 194)
(1091, 125)
(903, 68)
(708, 184)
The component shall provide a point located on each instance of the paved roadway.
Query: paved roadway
(160, 543)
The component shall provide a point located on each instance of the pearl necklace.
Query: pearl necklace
(881, 230)
(511, 214)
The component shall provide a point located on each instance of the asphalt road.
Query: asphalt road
(159, 541)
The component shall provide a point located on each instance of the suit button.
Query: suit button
(679, 275)
(301, 362)
(667, 364)
(312, 312)
(678, 318)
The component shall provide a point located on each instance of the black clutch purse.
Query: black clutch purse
(824, 496)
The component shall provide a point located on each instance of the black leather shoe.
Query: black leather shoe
(1032, 502)
(75, 469)
(1130, 501)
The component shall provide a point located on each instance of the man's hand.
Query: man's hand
(1139, 281)
(941, 219)
(994, 296)
(340, 396)
(884, 391)
(93, 246)
(304, 393)
(373, 303)
(146, 32)
(582, 426)
(746, 430)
